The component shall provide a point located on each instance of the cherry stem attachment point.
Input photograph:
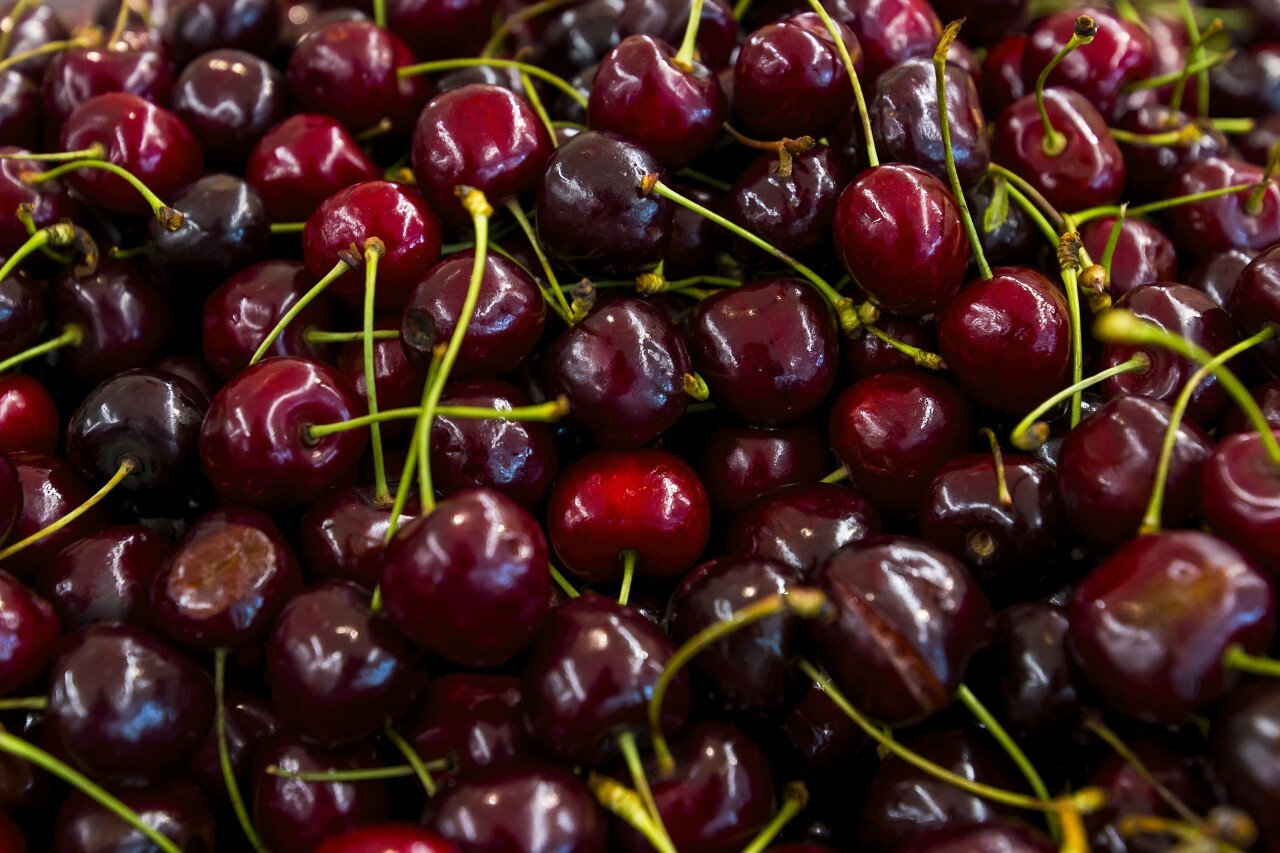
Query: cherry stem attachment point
(696, 387)
(167, 216)
(297, 308)
(489, 62)
(126, 468)
(785, 148)
(60, 235)
(1086, 28)
(420, 768)
(944, 122)
(873, 158)
(689, 44)
(71, 336)
(229, 780)
(1031, 432)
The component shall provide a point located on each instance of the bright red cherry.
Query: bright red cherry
(302, 161)
(28, 416)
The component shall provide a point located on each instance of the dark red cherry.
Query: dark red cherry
(1240, 497)
(506, 324)
(893, 431)
(1107, 466)
(792, 213)
(800, 526)
(255, 446)
(904, 120)
(1217, 274)
(1182, 598)
(578, 36)
(200, 26)
(250, 720)
(1243, 752)
(1035, 680)
(643, 500)
(224, 229)
(152, 143)
(747, 669)
(1002, 74)
(622, 369)
(1267, 396)
(767, 350)
(341, 535)
(593, 215)
(438, 29)
(478, 136)
(241, 311)
(397, 380)
(345, 69)
(588, 678)
(387, 838)
(994, 836)
(694, 238)
(898, 233)
(1225, 222)
(49, 202)
(479, 547)
(789, 80)
(1015, 325)
(473, 718)
(336, 670)
(21, 313)
(892, 30)
(50, 489)
(104, 576)
(740, 463)
(1256, 145)
(1090, 169)
(908, 617)
(867, 355)
(292, 814)
(29, 634)
(33, 27)
(174, 808)
(229, 99)
(124, 706)
(10, 497)
(1154, 170)
(517, 458)
(192, 369)
(667, 20)
(302, 161)
(21, 112)
(1254, 302)
(1121, 52)
(135, 66)
(1143, 253)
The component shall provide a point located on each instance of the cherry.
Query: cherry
(134, 66)
(623, 369)
(492, 808)
(1256, 145)
(1035, 681)
(241, 311)
(791, 212)
(50, 490)
(892, 431)
(224, 229)
(579, 36)
(123, 705)
(473, 718)
(891, 31)
(33, 27)
(397, 380)
(1184, 597)
(192, 369)
(517, 458)
(302, 161)
(506, 324)
(28, 416)
(740, 463)
(29, 634)
(867, 355)
(104, 576)
(1120, 53)
(1004, 836)
(10, 498)
(1142, 254)
(1107, 465)
(250, 720)
(336, 670)
(1237, 221)
(1216, 275)
(346, 69)
(647, 502)
(800, 526)
(996, 21)
(21, 112)
(478, 136)
(255, 444)
(1002, 74)
(1254, 302)
(175, 808)
(198, 27)
(1243, 752)
(342, 534)
(435, 29)
(1154, 170)
(588, 678)
(1238, 497)
(387, 838)
(717, 33)
(1267, 396)
(229, 99)
(49, 201)
(899, 235)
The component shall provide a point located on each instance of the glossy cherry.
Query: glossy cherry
(1002, 74)
(739, 463)
(229, 99)
(437, 29)
(29, 634)
(867, 355)
(1218, 273)
(21, 112)
(474, 718)
(73, 77)
(387, 838)
(1239, 488)
(104, 576)
(1243, 752)
(49, 201)
(891, 30)
(1230, 221)
(1154, 170)
(578, 36)
(341, 535)
(28, 415)
(50, 489)
(1254, 302)
(302, 161)
(1035, 679)
(346, 69)
(200, 26)
(397, 380)
(790, 212)
(1121, 52)
(176, 808)
(800, 526)
(33, 27)
(224, 229)
(667, 20)
(1143, 254)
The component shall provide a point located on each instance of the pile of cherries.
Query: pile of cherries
(641, 425)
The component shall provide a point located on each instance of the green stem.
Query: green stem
(46, 49)
(631, 756)
(1233, 126)
(837, 476)
(873, 158)
(1111, 739)
(125, 469)
(34, 243)
(535, 101)
(411, 755)
(1024, 186)
(684, 56)
(562, 582)
(1070, 273)
(373, 250)
(556, 299)
(922, 358)
(24, 703)
(1031, 432)
(1113, 239)
(794, 799)
(1254, 205)
(628, 557)
(626, 804)
(317, 336)
(740, 9)
(288, 227)
(1055, 143)
(380, 13)
(370, 774)
(1093, 213)
(944, 122)
(71, 336)
(1238, 659)
(224, 754)
(10, 24)
(1195, 51)
(1029, 208)
(504, 29)
(167, 216)
(122, 20)
(93, 152)
(489, 62)
(1188, 15)
(297, 308)
(1198, 67)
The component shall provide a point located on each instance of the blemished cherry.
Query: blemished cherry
(255, 447)
(623, 370)
(28, 415)
(229, 99)
(643, 500)
(123, 705)
(336, 670)
(49, 201)
(1238, 490)
(1185, 597)
(506, 324)
(225, 581)
(176, 808)
(303, 160)
(478, 136)
(387, 838)
(1154, 170)
(50, 489)
(883, 589)
(517, 458)
(224, 229)
(493, 808)
(588, 678)
(740, 463)
(1254, 302)
(898, 233)
(475, 718)
(29, 634)
(1121, 52)
(793, 212)
(1243, 752)
(104, 576)
(1143, 254)
(667, 19)
(479, 546)
(75, 76)
(593, 215)
(341, 535)
(1035, 679)
(1230, 221)
(893, 431)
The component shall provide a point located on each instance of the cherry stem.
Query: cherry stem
(1199, 67)
(168, 217)
(1113, 239)
(1029, 208)
(1070, 247)
(319, 336)
(91, 39)
(93, 152)
(1254, 205)
(420, 768)
(921, 358)
(1054, 142)
(380, 13)
(556, 297)
(1233, 126)
(628, 557)
(370, 774)
(684, 56)
(416, 447)
(10, 23)
(1183, 137)
(740, 9)
(703, 178)
(1111, 739)
(1237, 658)
(801, 601)
(1041, 204)
(1084, 800)
(785, 148)
(374, 249)
(836, 476)
(1188, 15)
(1010, 746)
(650, 283)
(71, 336)
(1151, 520)
(16, 746)
(59, 235)
(626, 804)
(535, 101)
(997, 458)
(873, 158)
(489, 62)
(631, 757)
(1123, 327)
(795, 797)
(122, 19)
(224, 754)
(126, 468)
(944, 122)
(119, 254)
(288, 227)
(562, 582)
(1031, 432)
(24, 703)
(26, 216)
(1193, 837)
(503, 30)
(1194, 52)
(696, 387)
(297, 308)
(1093, 213)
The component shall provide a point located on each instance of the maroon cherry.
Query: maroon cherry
(255, 444)
(667, 20)
(224, 229)
(739, 463)
(474, 718)
(1143, 254)
(892, 30)
(342, 535)
(135, 66)
(1183, 598)
(387, 838)
(175, 808)
(397, 380)
(1154, 170)
(1217, 274)
(867, 355)
(346, 69)
(438, 29)
(1243, 752)
(21, 313)
(104, 576)
(801, 526)
(1036, 690)
(578, 36)
(1121, 52)
(1002, 74)
(33, 27)
(250, 720)
(21, 112)
(198, 27)
(10, 497)
(792, 212)
(1237, 221)
(1239, 488)
(1254, 302)
(50, 489)
(302, 161)
(29, 634)
(229, 99)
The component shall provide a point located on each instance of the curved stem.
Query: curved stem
(1055, 143)
(34, 243)
(944, 122)
(556, 298)
(125, 469)
(415, 761)
(170, 218)
(1189, 837)
(1254, 205)
(122, 19)
(1031, 432)
(93, 152)
(380, 13)
(297, 308)
(1113, 239)
(921, 358)
(873, 158)
(631, 757)
(1069, 246)
(1188, 15)
(45, 49)
(224, 754)
(684, 56)
(562, 582)
(628, 557)
(504, 29)
(373, 250)
(1029, 208)
(1237, 658)
(1034, 195)
(795, 796)
(1162, 80)
(997, 459)
(489, 62)
(71, 336)
(1195, 52)
(539, 109)
(10, 23)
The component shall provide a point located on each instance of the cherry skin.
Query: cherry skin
(50, 489)
(224, 229)
(21, 112)
(892, 431)
(10, 498)
(1186, 597)
(643, 500)
(387, 838)
(792, 213)
(254, 445)
(578, 36)
(506, 324)
(622, 369)
(341, 534)
(1267, 396)
(613, 656)
(1143, 254)
(1002, 74)
(1154, 170)
(518, 459)
(437, 30)
(198, 27)
(898, 233)
(302, 161)
(73, 77)
(1015, 323)
(28, 416)
(739, 463)
(11, 835)
(346, 69)
(1225, 222)
(1218, 273)
(49, 202)
(478, 136)
(1121, 52)
(996, 836)
(1238, 493)
(1035, 687)
(124, 706)
(175, 808)
(1243, 752)
(229, 99)
(667, 20)
(397, 380)
(104, 576)
(474, 718)
(1254, 302)
(29, 634)
(1107, 466)
(892, 30)
(241, 311)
